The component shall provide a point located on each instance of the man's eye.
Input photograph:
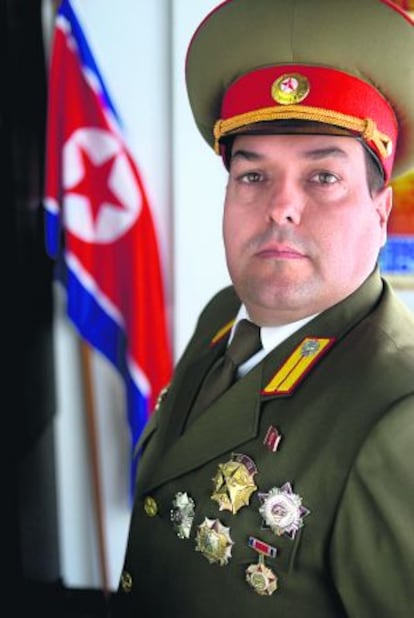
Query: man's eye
(250, 177)
(324, 178)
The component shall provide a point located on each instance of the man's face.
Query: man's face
(301, 230)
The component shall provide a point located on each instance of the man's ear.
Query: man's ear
(384, 200)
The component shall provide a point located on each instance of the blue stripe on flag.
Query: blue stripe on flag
(52, 234)
(104, 333)
(85, 53)
(94, 324)
(138, 413)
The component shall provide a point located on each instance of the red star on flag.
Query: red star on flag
(95, 184)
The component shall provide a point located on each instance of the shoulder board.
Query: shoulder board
(297, 365)
(222, 332)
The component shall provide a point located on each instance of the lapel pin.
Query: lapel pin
(272, 439)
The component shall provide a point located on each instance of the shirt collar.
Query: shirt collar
(271, 336)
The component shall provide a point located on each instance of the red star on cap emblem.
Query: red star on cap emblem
(289, 85)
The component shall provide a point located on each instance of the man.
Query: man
(291, 493)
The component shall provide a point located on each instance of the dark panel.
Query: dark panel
(31, 520)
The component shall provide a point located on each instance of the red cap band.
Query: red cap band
(319, 94)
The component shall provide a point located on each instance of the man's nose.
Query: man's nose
(285, 205)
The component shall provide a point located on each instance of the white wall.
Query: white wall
(199, 181)
(140, 47)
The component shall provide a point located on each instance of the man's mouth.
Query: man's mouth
(279, 251)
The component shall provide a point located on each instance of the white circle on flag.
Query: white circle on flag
(111, 220)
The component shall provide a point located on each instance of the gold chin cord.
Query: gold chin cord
(365, 127)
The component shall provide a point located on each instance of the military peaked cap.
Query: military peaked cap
(347, 64)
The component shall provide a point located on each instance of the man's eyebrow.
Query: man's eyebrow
(322, 153)
(314, 154)
(249, 155)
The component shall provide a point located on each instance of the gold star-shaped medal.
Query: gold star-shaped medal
(233, 483)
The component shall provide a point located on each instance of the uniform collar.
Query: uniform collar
(271, 337)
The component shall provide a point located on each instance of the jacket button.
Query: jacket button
(150, 506)
(126, 581)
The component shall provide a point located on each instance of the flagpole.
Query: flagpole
(96, 476)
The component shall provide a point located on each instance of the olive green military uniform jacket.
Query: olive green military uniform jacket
(347, 441)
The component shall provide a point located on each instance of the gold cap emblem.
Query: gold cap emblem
(290, 88)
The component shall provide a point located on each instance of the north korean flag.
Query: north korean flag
(99, 225)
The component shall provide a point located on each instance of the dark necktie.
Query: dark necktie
(245, 343)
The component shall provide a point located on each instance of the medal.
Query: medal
(182, 514)
(233, 483)
(259, 576)
(282, 510)
(214, 542)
